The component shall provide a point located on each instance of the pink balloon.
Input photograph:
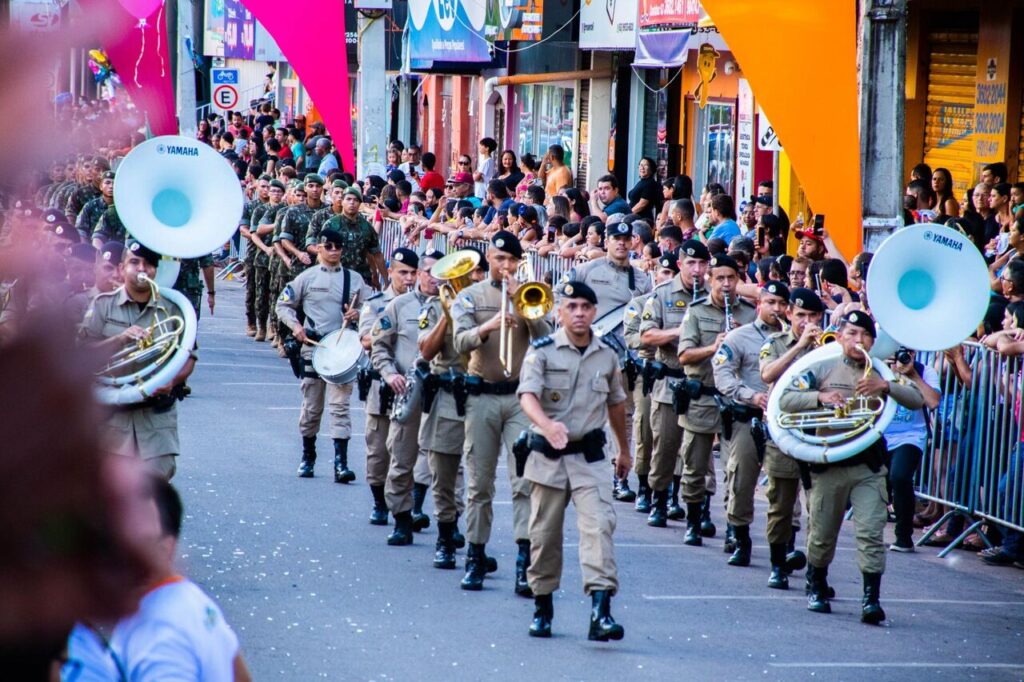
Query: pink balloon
(140, 9)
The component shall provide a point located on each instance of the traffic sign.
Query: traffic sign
(225, 97)
(224, 77)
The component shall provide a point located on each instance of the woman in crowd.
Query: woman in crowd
(645, 197)
(578, 203)
(946, 205)
(508, 171)
(204, 133)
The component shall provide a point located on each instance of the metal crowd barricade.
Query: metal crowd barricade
(971, 463)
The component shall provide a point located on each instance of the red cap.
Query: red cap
(461, 178)
(809, 233)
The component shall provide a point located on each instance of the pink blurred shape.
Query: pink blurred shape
(141, 9)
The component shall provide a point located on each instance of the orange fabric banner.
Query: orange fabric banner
(800, 57)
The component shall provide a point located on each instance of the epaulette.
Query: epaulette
(377, 295)
(704, 300)
(658, 286)
(542, 341)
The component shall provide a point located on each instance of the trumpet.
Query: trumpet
(531, 301)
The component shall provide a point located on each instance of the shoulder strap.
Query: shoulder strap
(345, 289)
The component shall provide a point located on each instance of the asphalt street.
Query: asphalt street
(314, 592)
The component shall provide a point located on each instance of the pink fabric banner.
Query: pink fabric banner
(140, 57)
(320, 60)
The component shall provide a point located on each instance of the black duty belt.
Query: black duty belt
(591, 446)
(477, 386)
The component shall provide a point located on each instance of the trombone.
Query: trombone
(531, 301)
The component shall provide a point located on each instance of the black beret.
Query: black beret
(112, 252)
(54, 215)
(63, 229)
(435, 254)
(861, 319)
(619, 229)
(574, 289)
(695, 249)
(669, 261)
(723, 261)
(24, 208)
(331, 237)
(505, 241)
(808, 300)
(777, 289)
(145, 253)
(406, 257)
(107, 175)
(83, 252)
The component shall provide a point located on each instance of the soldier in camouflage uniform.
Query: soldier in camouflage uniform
(57, 177)
(316, 224)
(109, 228)
(280, 262)
(190, 281)
(90, 189)
(262, 231)
(73, 174)
(361, 251)
(262, 187)
(94, 209)
(295, 225)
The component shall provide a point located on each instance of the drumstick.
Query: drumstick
(312, 342)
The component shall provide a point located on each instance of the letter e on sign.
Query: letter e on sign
(225, 97)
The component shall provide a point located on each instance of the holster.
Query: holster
(591, 446)
(520, 451)
(758, 432)
(431, 385)
(727, 417)
(651, 373)
(805, 474)
(293, 351)
(460, 393)
(364, 380)
(387, 397)
(631, 368)
(682, 393)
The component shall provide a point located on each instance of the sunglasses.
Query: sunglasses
(330, 246)
(463, 163)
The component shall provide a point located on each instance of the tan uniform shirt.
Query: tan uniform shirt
(318, 292)
(474, 306)
(368, 314)
(736, 363)
(665, 309)
(776, 462)
(631, 326)
(448, 358)
(576, 390)
(610, 283)
(394, 336)
(702, 324)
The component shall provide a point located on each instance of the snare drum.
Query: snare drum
(339, 357)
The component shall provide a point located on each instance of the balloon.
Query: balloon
(99, 57)
(140, 9)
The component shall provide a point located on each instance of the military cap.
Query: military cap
(619, 229)
(331, 237)
(669, 260)
(861, 319)
(82, 252)
(406, 257)
(724, 261)
(777, 289)
(504, 240)
(277, 184)
(64, 230)
(764, 200)
(313, 178)
(145, 253)
(340, 184)
(436, 255)
(53, 215)
(107, 175)
(112, 252)
(695, 249)
(804, 298)
(574, 289)
(354, 191)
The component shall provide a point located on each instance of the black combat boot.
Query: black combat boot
(693, 535)
(444, 550)
(730, 539)
(476, 568)
(741, 557)
(707, 528)
(420, 521)
(379, 515)
(402, 534)
(872, 612)
(543, 612)
(675, 512)
(602, 626)
(795, 559)
(523, 563)
(308, 457)
(659, 511)
(779, 578)
(643, 496)
(817, 589)
(458, 538)
(342, 474)
(621, 491)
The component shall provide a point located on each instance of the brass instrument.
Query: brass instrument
(455, 272)
(828, 335)
(728, 314)
(532, 301)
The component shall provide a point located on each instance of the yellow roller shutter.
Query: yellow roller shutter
(949, 123)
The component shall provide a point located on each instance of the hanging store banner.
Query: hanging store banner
(447, 32)
(608, 24)
(663, 30)
(514, 20)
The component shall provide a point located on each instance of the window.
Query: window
(715, 155)
(547, 116)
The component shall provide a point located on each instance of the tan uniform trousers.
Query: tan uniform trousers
(743, 470)
(403, 444)
(667, 436)
(595, 520)
(698, 466)
(377, 458)
(421, 473)
(643, 436)
(783, 494)
(314, 391)
(866, 491)
(491, 421)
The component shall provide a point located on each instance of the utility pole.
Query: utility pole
(883, 76)
(186, 85)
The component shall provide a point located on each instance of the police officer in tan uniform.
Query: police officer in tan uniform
(737, 373)
(777, 354)
(616, 282)
(394, 352)
(493, 415)
(659, 328)
(860, 478)
(113, 321)
(704, 328)
(570, 388)
(329, 297)
(377, 394)
(640, 354)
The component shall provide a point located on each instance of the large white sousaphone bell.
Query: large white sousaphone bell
(178, 196)
(928, 289)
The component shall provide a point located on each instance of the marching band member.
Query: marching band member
(328, 295)
(859, 479)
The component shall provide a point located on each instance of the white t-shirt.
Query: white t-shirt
(89, 658)
(485, 166)
(908, 427)
(178, 633)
